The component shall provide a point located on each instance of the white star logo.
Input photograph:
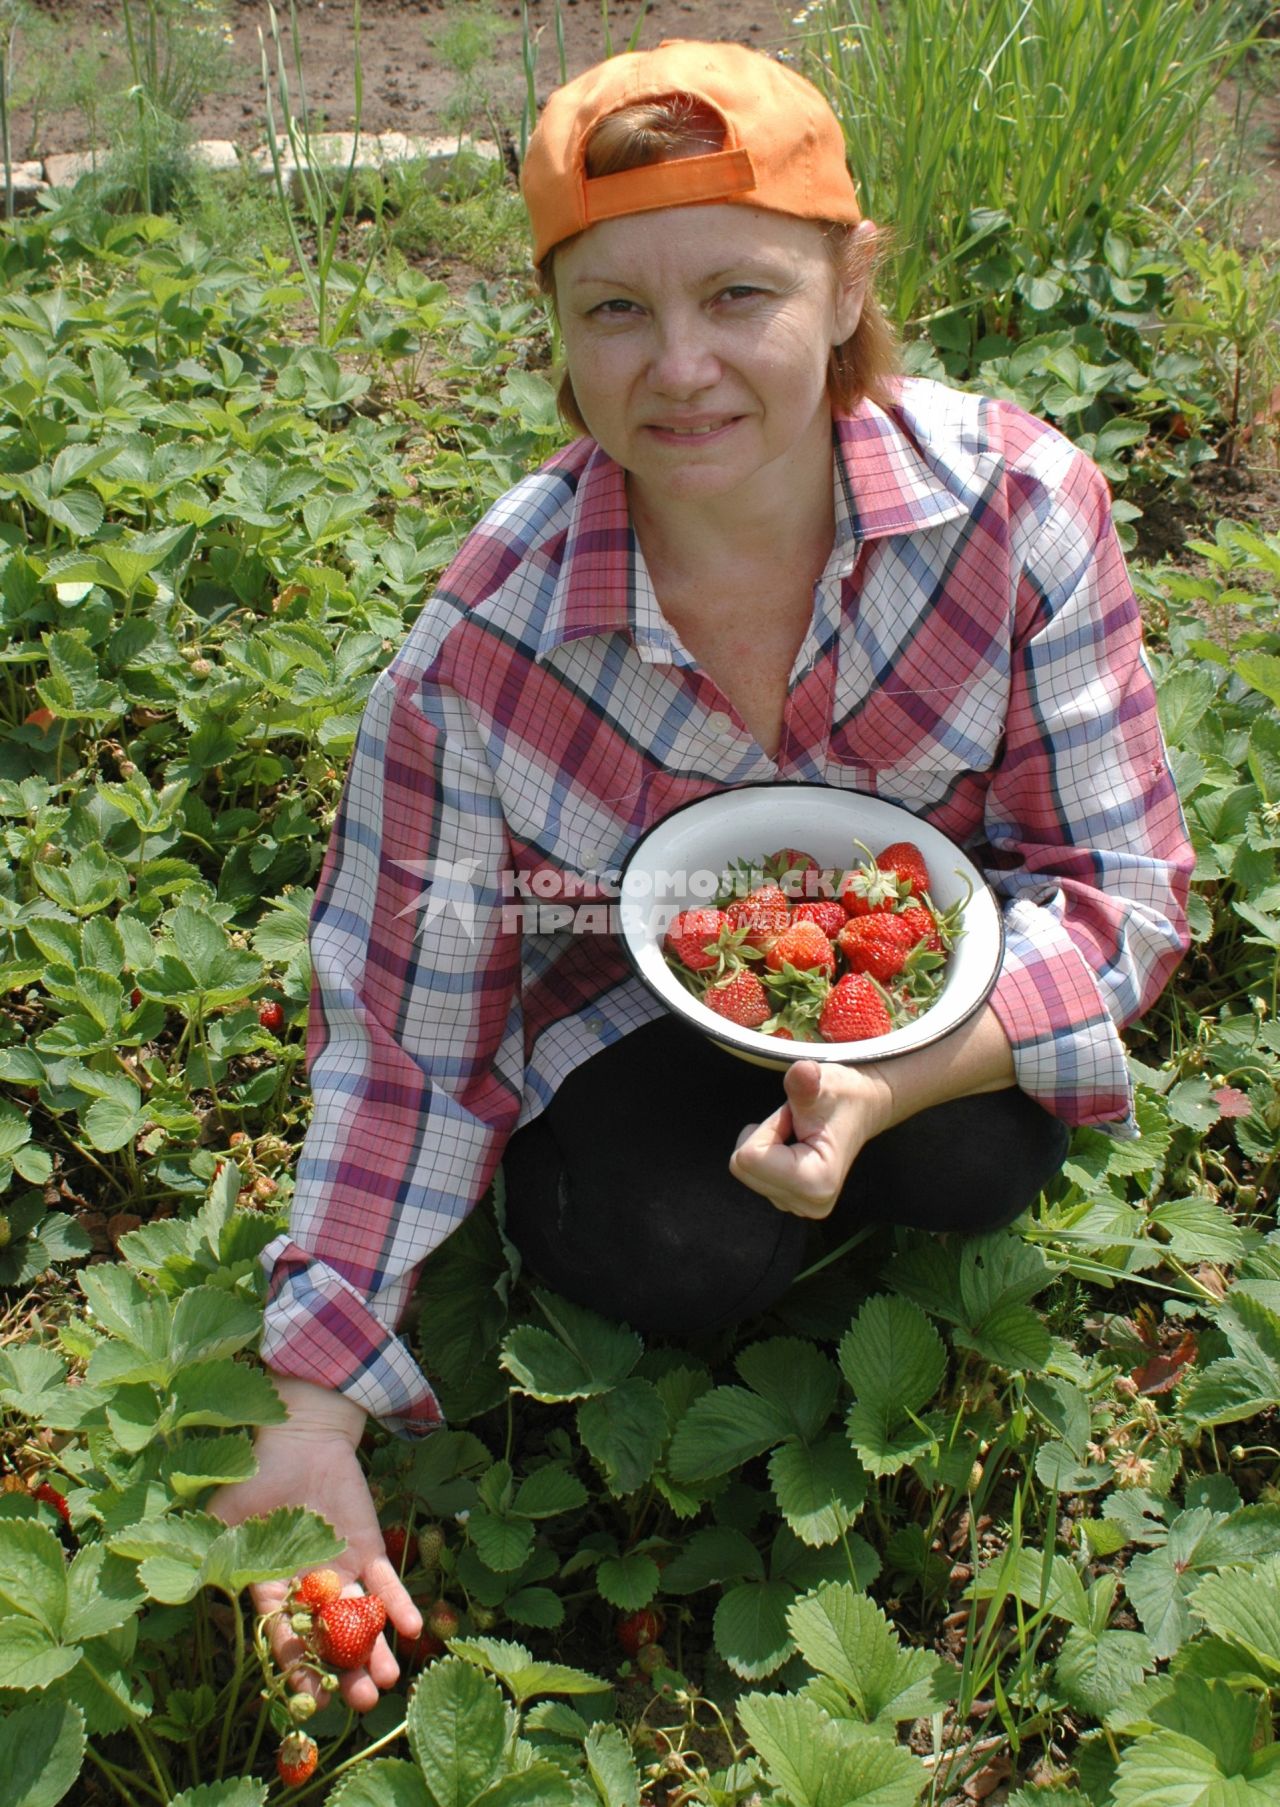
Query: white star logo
(449, 885)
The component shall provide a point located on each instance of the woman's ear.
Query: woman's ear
(853, 277)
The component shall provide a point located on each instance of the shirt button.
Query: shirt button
(720, 723)
(594, 1024)
(590, 858)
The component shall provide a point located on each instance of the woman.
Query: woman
(766, 560)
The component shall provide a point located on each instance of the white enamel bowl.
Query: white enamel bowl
(676, 865)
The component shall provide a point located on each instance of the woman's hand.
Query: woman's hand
(799, 1158)
(311, 1461)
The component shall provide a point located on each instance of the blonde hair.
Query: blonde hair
(658, 131)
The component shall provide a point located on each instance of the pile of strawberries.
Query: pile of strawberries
(807, 954)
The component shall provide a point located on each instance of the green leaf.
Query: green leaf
(886, 1442)
(820, 1489)
(1261, 671)
(628, 1581)
(525, 1678)
(1012, 1336)
(723, 1429)
(1242, 1605)
(210, 1323)
(541, 1785)
(611, 1766)
(285, 1542)
(109, 1124)
(102, 1594)
(1169, 1770)
(820, 1762)
(586, 1356)
(624, 1429)
(750, 1628)
(29, 1657)
(712, 1555)
(1095, 1669)
(844, 1635)
(458, 1726)
(381, 1782)
(1183, 700)
(536, 1606)
(892, 1356)
(33, 1577)
(44, 1745)
(203, 1462)
(501, 1543)
(549, 1491)
(795, 1377)
(236, 1791)
(224, 1393)
(1198, 1230)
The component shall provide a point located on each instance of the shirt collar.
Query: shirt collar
(888, 480)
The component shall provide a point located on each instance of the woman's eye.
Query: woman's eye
(739, 291)
(616, 308)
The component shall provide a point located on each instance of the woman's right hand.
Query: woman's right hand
(311, 1461)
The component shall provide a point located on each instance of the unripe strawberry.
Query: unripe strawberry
(442, 1620)
(650, 1658)
(301, 1707)
(200, 668)
(6, 1231)
(430, 1544)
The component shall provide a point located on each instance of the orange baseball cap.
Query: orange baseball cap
(783, 147)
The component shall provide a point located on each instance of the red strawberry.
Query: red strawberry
(347, 1630)
(692, 936)
(52, 1497)
(854, 1011)
(905, 860)
(442, 1620)
(318, 1588)
(636, 1629)
(395, 1541)
(878, 944)
(867, 889)
(296, 1759)
(924, 927)
(804, 946)
(827, 912)
(135, 998)
(740, 999)
(271, 1015)
(763, 913)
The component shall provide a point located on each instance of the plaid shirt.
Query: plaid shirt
(974, 655)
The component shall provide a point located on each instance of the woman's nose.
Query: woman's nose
(684, 359)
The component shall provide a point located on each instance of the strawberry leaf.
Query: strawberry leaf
(629, 1581)
(237, 1791)
(43, 1750)
(382, 1782)
(33, 1577)
(818, 1761)
(624, 1429)
(524, 1677)
(611, 1766)
(458, 1726)
(750, 1628)
(844, 1635)
(892, 1357)
(794, 1377)
(723, 1429)
(820, 1487)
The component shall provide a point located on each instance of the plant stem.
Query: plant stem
(233, 1686)
(360, 1756)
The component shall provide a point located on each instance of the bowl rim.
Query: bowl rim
(729, 1035)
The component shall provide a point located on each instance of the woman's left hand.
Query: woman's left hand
(799, 1158)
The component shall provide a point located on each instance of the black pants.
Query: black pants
(619, 1194)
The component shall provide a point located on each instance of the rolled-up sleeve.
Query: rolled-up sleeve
(415, 1047)
(1089, 849)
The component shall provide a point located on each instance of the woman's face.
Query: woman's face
(697, 341)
